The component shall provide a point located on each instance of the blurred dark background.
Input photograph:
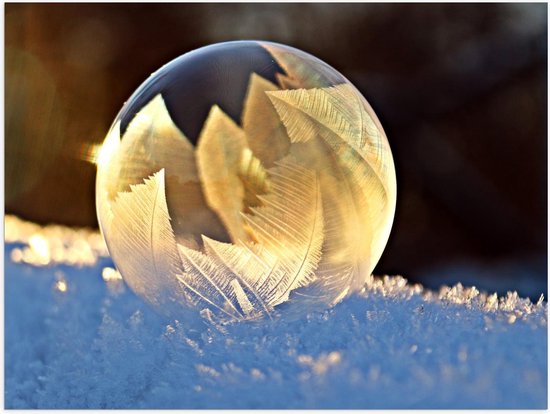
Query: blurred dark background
(461, 90)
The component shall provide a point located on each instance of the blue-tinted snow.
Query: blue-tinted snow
(97, 345)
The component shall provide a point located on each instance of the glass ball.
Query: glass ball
(243, 179)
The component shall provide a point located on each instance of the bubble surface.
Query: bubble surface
(243, 180)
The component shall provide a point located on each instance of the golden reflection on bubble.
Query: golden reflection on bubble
(291, 201)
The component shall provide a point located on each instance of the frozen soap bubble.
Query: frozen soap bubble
(243, 179)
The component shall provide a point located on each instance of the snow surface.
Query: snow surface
(76, 337)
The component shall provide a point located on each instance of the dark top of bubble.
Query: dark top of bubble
(192, 83)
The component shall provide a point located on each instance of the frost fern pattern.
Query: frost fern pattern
(292, 205)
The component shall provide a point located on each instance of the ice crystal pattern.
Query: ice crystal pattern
(288, 197)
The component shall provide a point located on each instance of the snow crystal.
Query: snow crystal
(77, 337)
(53, 244)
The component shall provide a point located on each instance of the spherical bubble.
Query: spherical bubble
(245, 179)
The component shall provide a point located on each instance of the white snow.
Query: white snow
(76, 337)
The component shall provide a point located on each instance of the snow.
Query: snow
(77, 337)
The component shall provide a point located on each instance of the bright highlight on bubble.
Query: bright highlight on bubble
(243, 179)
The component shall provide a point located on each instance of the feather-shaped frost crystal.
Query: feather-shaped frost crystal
(245, 179)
